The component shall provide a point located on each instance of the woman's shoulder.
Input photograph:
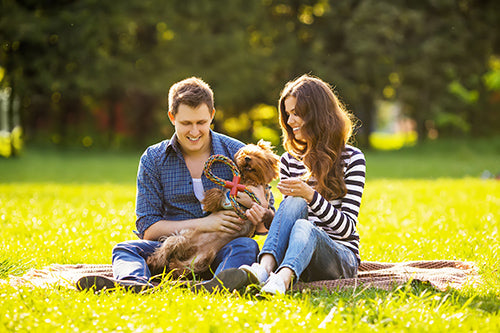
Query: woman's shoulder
(289, 158)
(352, 153)
(290, 162)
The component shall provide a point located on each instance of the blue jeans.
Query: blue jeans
(306, 249)
(129, 258)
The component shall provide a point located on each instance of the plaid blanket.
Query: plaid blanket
(441, 274)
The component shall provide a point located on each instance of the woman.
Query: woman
(313, 234)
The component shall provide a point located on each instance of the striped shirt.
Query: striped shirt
(338, 217)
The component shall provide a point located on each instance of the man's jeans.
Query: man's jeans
(300, 245)
(129, 258)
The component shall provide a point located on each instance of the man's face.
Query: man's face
(192, 126)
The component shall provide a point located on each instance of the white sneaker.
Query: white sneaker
(257, 273)
(274, 285)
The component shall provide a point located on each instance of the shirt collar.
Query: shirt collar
(173, 144)
(217, 146)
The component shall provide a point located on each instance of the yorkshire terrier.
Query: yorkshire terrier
(192, 251)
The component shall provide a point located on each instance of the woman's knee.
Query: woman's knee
(303, 230)
(294, 206)
(297, 202)
(304, 225)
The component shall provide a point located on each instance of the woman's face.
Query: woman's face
(294, 121)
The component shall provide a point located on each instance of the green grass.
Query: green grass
(70, 166)
(442, 159)
(432, 160)
(72, 208)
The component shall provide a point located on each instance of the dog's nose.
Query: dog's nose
(247, 159)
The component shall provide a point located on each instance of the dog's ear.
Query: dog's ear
(172, 245)
(180, 245)
(161, 256)
(265, 145)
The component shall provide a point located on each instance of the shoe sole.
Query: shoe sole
(230, 279)
(99, 282)
(95, 282)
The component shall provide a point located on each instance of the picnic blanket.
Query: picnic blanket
(440, 274)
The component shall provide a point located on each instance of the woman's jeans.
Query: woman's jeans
(129, 258)
(306, 249)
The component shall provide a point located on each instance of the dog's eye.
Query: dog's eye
(247, 159)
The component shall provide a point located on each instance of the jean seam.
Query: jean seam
(226, 258)
(274, 244)
(296, 260)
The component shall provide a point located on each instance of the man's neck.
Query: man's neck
(195, 161)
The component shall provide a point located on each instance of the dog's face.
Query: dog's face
(257, 163)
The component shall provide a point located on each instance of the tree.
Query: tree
(83, 68)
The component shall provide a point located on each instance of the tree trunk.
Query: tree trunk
(365, 115)
(10, 119)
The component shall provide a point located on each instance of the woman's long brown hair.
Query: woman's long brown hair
(326, 130)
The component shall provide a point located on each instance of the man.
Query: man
(170, 186)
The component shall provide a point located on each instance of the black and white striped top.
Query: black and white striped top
(337, 217)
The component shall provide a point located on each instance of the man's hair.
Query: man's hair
(193, 92)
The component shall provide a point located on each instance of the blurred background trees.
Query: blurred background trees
(93, 73)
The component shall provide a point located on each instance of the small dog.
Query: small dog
(192, 251)
(258, 166)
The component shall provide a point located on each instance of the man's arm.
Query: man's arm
(223, 221)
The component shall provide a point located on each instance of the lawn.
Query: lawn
(427, 202)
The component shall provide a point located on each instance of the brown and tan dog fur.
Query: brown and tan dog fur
(192, 251)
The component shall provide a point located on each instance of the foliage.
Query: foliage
(11, 143)
(387, 141)
(87, 69)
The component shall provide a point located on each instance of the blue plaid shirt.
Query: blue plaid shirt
(164, 184)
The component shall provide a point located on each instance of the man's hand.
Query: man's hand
(256, 214)
(224, 221)
(245, 200)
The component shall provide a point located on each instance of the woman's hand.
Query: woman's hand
(296, 187)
